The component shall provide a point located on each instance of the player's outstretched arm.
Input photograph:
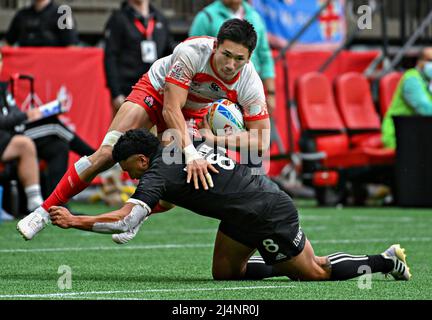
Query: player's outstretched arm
(123, 220)
(197, 167)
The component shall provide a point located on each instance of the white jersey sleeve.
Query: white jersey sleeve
(251, 95)
(183, 65)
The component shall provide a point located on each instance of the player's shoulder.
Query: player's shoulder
(198, 44)
(250, 79)
(249, 72)
(196, 49)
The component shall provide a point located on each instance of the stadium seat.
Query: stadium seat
(387, 87)
(321, 121)
(323, 131)
(355, 104)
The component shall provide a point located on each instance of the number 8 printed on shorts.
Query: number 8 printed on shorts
(270, 246)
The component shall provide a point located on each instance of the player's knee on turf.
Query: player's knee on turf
(315, 274)
(221, 274)
(305, 266)
(314, 271)
(222, 269)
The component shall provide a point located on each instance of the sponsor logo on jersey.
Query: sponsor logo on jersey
(176, 71)
(214, 87)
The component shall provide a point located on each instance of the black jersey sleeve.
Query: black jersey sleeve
(151, 187)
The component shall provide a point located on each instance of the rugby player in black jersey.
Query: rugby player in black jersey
(254, 213)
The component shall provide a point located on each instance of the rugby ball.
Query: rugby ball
(225, 118)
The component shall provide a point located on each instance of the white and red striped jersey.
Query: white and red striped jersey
(190, 67)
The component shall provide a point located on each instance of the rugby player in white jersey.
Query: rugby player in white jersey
(177, 88)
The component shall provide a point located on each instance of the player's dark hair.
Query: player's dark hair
(136, 141)
(238, 31)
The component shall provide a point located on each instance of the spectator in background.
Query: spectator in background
(208, 21)
(23, 150)
(52, 138)
(135, 37)
(41, 25)
(20, 148)
(413, 96)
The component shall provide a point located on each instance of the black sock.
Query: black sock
(256, 269)
(345, 266)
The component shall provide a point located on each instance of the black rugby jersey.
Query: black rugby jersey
(237, 193)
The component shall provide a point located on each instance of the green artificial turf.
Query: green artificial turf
(171, 258)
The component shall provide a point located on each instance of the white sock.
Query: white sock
(34, 196)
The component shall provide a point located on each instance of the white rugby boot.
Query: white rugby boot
(32, 224)
(400, 270)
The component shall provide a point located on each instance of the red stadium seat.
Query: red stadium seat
(355, 103)
(387, 87)
(317, 108)
(324, 131)
(320, 119)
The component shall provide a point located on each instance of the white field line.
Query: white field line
(114, 247)
(365, 218)
(164, 232)
(383, 219)
(90, 293)
(209, 245)
(180, 231)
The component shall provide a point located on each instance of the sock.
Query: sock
(34, 196)
(70, 185)
(256, 269)
(345, 266)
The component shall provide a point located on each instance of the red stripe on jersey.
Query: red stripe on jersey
(257, 117)
(176, 82)
(195, 98)
(195, 114)
(204, 77)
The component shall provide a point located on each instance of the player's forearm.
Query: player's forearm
(88, 222)
(256, 141)
(174, 119)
